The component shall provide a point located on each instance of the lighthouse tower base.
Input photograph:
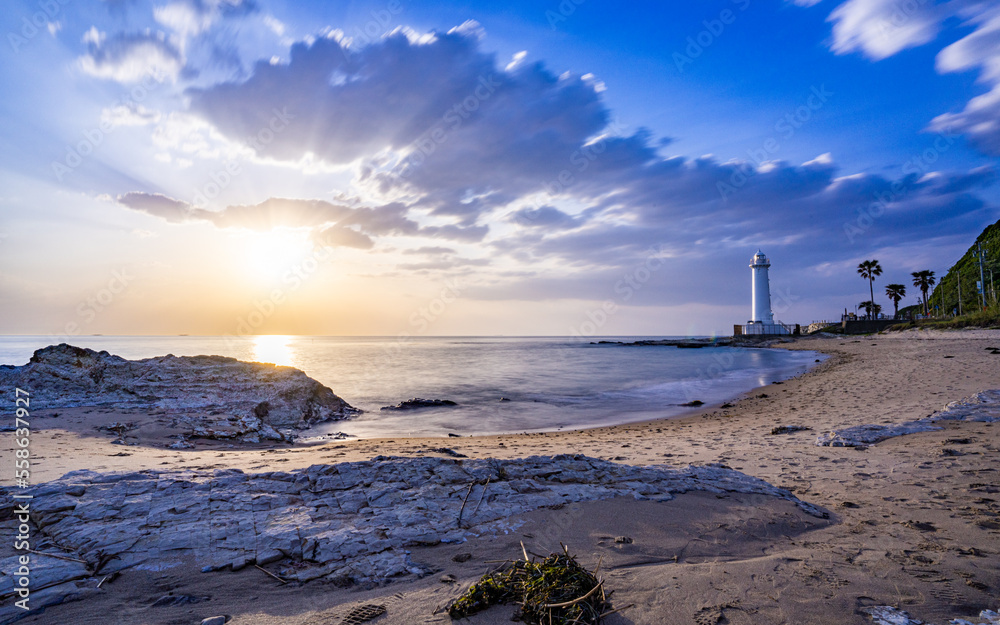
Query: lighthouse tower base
(759, 329)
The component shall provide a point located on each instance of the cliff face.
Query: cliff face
(222, 391)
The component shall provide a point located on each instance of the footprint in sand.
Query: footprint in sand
(712, 615)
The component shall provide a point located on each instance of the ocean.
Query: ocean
(501, 384)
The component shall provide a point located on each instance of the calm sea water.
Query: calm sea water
(551, 383)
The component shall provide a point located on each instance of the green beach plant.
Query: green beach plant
(556, 590)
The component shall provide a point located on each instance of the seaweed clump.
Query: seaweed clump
(556, 590)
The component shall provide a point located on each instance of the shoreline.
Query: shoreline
(914, 520)
(83, 423)
(246, 455)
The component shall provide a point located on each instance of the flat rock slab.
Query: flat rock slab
(888, 615)
(982, 407)
(350, 522)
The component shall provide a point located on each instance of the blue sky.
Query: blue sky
(547, 168)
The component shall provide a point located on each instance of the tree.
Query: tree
(871, 309)
(895, 292)
(868, 270)
(923, 280)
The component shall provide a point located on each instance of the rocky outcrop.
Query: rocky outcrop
(217, 397)
(350, 522)
(984, 407)
(416, 403)
(789, 429)
(692, 343)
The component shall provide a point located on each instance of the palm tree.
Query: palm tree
(923, 280)
(895, 292)
(871, 308)
(868, 270)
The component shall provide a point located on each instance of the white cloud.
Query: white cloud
(130, 58)
(276, 25)
(980, 119)
(187, 135)
(881, 28)
(189, 18)
(183, 18)
(518, 59)
(134, 115)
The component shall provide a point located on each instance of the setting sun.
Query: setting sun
(275, 349)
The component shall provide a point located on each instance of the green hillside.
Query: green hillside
(945, 294)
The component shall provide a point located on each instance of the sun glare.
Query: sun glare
(272, 255)
(274, 348)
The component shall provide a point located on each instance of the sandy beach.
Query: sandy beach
(914, 521)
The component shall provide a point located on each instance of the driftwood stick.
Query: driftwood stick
(481, 497)
(109, 578)
(464, 501)
(569, 603)
(283, 581)
(53, 555)
(624, 607)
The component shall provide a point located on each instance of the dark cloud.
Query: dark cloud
(158, 205)
(468, 234)
(478, 136)
(430, 251)
(344, 223)
(804, 212)
(388, 219)
(545, 217)
(445, 264)
(347, 104)
(279, 212)
(978, 178)
(339, 236)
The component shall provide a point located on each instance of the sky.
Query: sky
(403, 168)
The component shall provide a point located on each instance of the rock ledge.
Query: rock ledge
(213, 396)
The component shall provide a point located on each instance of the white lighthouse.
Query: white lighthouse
(761, 306)
(762, 323)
